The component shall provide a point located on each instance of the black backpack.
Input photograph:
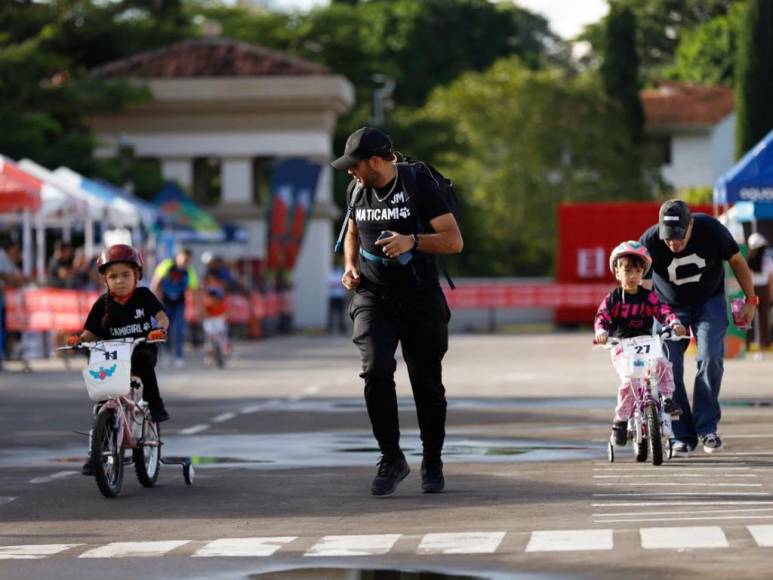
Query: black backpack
(408, 168)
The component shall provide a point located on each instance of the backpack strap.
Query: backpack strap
(353, 192)
(407, 173)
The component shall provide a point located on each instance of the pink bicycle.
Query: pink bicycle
(122, 419)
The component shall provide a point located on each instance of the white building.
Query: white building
(234, 108)
(694, 126)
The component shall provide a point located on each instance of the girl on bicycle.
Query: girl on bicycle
(125, 311)
(627, 311)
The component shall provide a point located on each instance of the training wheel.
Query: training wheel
(188, 473)
(611, 452)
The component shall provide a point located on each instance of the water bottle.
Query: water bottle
(737, 307)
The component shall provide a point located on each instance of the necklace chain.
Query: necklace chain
(391, 190)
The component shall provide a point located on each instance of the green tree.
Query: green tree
(550, 140)
(661, 25)
(706, 53)
(620, 69)
(754, 76)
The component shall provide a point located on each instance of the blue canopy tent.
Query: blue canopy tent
(749, 184)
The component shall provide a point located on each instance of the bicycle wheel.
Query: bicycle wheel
(107, 454)
(218, 354)
(653, 432)
(147, 454)
(639, 442)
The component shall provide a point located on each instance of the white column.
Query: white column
(236, 175)
(179, 170)
(311, 272)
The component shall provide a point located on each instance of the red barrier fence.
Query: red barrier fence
(526, 295)
(43, 309)
(58, 310)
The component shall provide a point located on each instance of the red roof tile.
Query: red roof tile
(208, 57)
(674, 104)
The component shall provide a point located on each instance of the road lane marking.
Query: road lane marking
(461, 543)
(668, 468)
(53, 477)
(682, 538)
(763, 535)
(194, 429)
(680, 503)
(33, 552)
(134, 549)
(241, 547)
(223, 417)
(683, 519)
(672, 493)
(6, 499)
(675, 484)
(259, 407)
(570, 540)
(689, 475)
(365, 545)
(688, 512)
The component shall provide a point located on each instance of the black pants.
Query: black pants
(419, 322)
(144, 360)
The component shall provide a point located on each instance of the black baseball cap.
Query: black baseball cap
(362, 144)
(674, 220)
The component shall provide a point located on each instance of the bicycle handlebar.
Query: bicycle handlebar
(94, 344)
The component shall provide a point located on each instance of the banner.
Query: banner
(293, 187)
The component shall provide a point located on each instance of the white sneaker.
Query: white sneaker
(179, 363)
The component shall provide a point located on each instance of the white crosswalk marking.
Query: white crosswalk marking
(462, 543)
(133, 549)
(570, 540)
(239, 547)
(763, 535)
(33, 552)
(6, 499)
(53, 477)
(680, 538)
(353, 545)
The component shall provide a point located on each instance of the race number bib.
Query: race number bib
(642, 346)
(112, 351)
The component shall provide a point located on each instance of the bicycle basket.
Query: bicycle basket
(107, 379)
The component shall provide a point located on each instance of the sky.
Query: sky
(566, 17)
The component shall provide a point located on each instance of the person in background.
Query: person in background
(10, 277)
(761, 264)
(60, 272)
(172, 278)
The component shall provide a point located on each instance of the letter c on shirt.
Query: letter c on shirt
(694, 259)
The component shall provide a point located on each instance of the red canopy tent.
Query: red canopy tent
(20, 192)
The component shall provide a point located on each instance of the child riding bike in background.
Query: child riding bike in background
(629, 311)
(125, 311)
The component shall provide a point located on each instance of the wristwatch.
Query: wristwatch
(753, 300)
(415, 242)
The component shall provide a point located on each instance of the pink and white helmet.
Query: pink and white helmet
(630, 248)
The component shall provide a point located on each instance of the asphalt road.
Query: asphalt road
(284, 458)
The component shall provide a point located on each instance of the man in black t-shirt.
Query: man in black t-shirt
(688, 254)
(397, 297)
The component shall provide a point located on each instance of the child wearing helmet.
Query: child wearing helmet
(627, 311)
(126, 310)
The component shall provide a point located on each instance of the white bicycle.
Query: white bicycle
(122, 418)
(649, 426)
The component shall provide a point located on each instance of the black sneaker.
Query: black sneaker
(432, 476)
(619, 434)
(671, 408)
(88, 468)
(391, 471)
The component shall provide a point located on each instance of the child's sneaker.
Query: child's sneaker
(671, 408)
(619, 434)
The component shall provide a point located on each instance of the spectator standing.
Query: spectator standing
(171, 280)
(397, 298)
(10, 277)
(688, 254)
(761, 264)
